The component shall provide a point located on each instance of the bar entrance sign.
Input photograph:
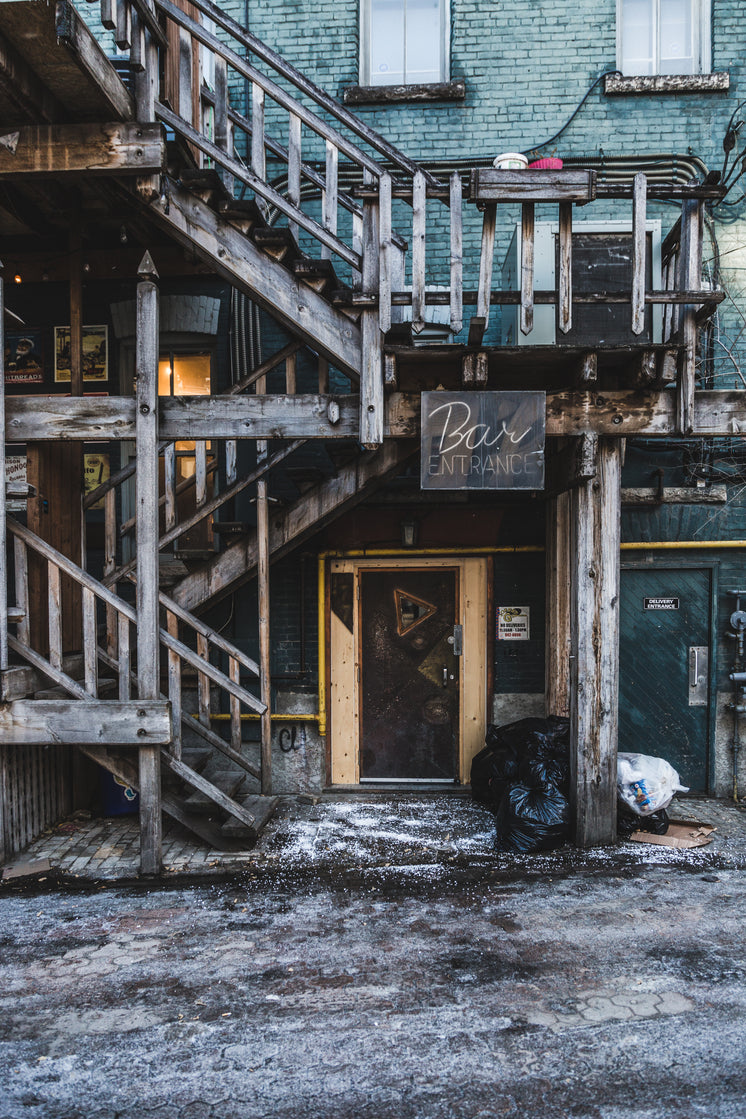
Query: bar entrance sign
(482, 440)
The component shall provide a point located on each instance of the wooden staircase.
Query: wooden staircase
(220, 803)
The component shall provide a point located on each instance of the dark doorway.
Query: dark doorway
(410, 677)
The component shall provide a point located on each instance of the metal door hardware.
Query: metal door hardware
(699, 657)
(457, 640)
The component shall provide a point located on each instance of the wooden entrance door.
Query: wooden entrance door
(410, 686)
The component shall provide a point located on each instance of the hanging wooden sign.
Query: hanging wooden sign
(482, 440)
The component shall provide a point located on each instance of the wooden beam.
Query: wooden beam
(571, 412)
(291, 526)
(85, 149)
(488, 184)
(594, 632)
(148, 647)
(194, 224)
(557, 644)
(62, 722)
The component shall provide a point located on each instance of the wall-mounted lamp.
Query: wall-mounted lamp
(18, 278)
(408, 534)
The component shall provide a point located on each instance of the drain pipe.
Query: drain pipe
(738, 677)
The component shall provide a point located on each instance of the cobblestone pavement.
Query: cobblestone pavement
(424, 992)
(366, 831)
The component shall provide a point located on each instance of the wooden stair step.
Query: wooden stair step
(206, 183)
(228, 782)
(196, 758)
(261, 808)
(242, 213)
(277, 243)
(318, 274)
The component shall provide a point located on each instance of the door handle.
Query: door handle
(693, 666)
(445, 675)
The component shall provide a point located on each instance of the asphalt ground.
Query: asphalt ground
(350, 972)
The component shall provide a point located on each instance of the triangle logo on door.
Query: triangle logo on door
(411, 611)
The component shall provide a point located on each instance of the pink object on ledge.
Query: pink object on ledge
(548, 164)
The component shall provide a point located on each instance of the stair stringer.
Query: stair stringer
(305, 313)
(291, 526)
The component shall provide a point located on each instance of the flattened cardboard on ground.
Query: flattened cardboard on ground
(26, 869)
(681, 833)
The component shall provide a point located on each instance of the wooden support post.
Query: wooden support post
(419, 234)
(565, 266)
(690, 279)
(639, 253)
(148, 669)
(222, 123)
(371, 376)
(146, 82)
(3, 526)
(527, 267)
(557, 645)
(486, 257)
(265, 641)
(294, 162)
(385, 261)
(174, 684)
(594, 626)
(330, 195)
(457, 253)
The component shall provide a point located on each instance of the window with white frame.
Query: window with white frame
(663, 37)
(404, 42)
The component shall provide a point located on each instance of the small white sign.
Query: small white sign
(15, 483)
(513, 623)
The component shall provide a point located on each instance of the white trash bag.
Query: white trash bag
(646, 784)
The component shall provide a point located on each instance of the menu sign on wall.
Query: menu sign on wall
(482, 440)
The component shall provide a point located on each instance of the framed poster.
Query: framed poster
(95, 353)
(95, 472)
(24, 364)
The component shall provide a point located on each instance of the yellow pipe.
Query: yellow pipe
(675, 545)
(278, 718)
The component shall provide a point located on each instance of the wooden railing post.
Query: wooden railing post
(148, 644)
(371, 374)
(639, 251)
(690, 279)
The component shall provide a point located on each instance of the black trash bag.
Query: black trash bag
(492, 770)
(533, 737)
(532, 819)
(538, 772)
(628, 822)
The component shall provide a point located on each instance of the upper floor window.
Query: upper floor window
(663, 37)
(404, 42)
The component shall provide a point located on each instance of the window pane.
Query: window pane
(424, 38)
(637, 37)
(386, 42)
(677, 47)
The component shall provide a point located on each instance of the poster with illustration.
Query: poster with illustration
(24, 363)
(95, 353)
